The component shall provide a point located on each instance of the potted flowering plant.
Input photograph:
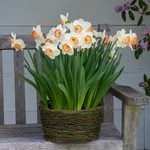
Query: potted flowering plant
(78, 65)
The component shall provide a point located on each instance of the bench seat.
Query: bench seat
(30, 137)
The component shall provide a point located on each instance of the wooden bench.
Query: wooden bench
(29, 136)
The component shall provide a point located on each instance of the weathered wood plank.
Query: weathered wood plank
(41, 144)
(28, 130)
(129, 95)
(1, 91)
(30, 137)
(37, 55)
(108, 108)
(108, 131)
(102, 27)
(19, 88)
(130, 116)
(5, 45)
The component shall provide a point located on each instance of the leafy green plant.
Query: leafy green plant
(130, 8)
(78, 64)
(74, 82)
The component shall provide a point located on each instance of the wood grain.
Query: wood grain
(130, 117)
(108, 108)
(129, 95)
(5, 45)
(19, 88)
(37, 55)
(1, 91)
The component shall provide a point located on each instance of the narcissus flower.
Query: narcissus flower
(80, 26)
(66, 48)
(37, 35)
(17, 44)
(51, 50)
(87, 40)
(36, 32)
(56, 33)
(64, 19)
(74, 39)
(123, 39)
(71, 36)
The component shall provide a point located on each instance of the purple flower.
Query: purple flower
(146, 31)
(118, 8)
(143, 84)
(144, 44)
(126, 6)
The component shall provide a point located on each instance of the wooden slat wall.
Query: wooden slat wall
(38, 97)
(19, 83)
(4, 42)
(102, 27)
(108, 108)
(19, 88)
(1, 91)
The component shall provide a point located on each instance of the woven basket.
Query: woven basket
(71, 126)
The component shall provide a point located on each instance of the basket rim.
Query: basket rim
(101, 107)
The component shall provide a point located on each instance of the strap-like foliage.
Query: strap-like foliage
(75, 82)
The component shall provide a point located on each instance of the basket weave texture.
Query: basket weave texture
(67, 126)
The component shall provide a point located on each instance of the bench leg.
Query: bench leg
(130, 116)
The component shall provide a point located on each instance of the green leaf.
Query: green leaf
(123, 14)
(133, 2)
(145, 78)
(131, 15)
(106, 84)
(137, 53)
(29, 82)
(145, 5)
(148, 81)
(66, 92)
(134, 8)
(147, 13)
(140, 21)
(141, 4)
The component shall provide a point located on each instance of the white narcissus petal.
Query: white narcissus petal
(64, 19)
(120, 38)
(97, 34)
(39, 41)
(13, 35)
(73, 38)
(36, 32)
(17, 44)
(125, 39)
(87, 40)
(51, 50)
(56, 34)
(80, 26)
(66, 47)
(133, 39)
